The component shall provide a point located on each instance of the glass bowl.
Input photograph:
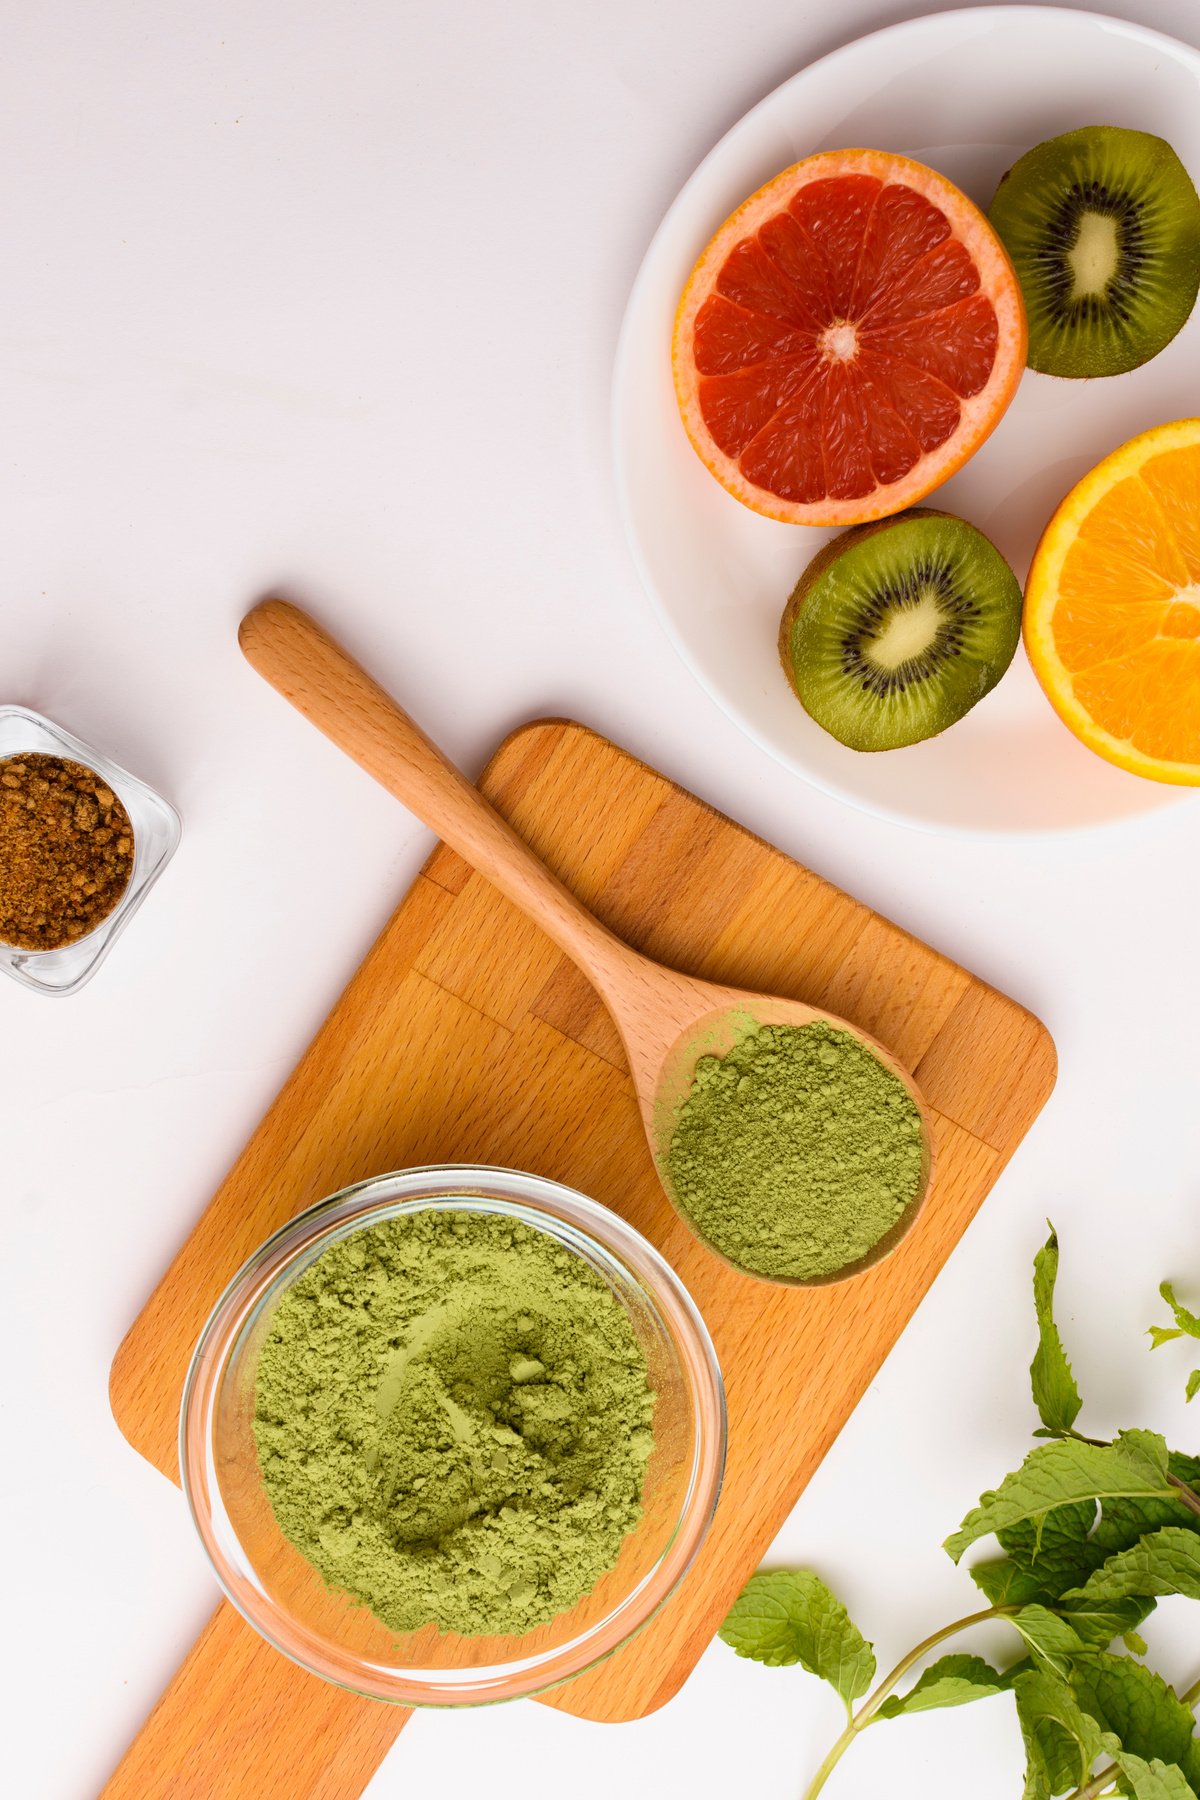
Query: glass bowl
(156, 832)
(324, 1630)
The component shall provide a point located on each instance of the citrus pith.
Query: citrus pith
(1112, 606)
(847, 340)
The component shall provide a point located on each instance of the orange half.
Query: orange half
(1112, 606)
(848, 339)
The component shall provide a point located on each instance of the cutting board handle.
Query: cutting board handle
(219, 1730)
(299, 658)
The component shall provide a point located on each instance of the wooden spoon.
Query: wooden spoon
(666, 1019)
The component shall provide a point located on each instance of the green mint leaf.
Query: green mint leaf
(1118, 1595)
(1056, 1551)
(1061, 1740)
(1136, 1706)
(1185, 1321)
(1187, 1468)
(951, 1681)
(1064, 1474)
(1046, 1750)
(1054, 1391)
(1153, 1780)
(1003, 1583)
(1097, 1622)
(1186, 1324)
(1051, 1757)
(785, 1616)
(1052, 1641)
(1123, 1522)
(1148, 1448)
(1135, 1643)
(1166, 1561)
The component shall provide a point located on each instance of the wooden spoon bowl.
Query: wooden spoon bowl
(666, 1019)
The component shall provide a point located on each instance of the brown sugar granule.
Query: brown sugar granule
(66, 851)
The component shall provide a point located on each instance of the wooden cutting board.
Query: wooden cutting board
(466, 1037)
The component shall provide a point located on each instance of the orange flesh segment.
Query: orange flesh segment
(1172, 478)
(1150, 700)
(1118, 579)
(805, 422)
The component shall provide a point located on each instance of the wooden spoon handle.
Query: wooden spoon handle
(304, 663)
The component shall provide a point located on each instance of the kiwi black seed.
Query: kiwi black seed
(896, 629)
(1103, 228)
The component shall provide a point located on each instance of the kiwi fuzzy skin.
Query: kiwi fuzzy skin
(829, 553)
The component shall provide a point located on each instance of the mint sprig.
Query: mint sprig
(951, 1681)
(1067, 1473)
(1153, 1780)
(1094, 1532)
(787, 1616)
(1187, 1324)
(1166, 1561)
(1054, 1391)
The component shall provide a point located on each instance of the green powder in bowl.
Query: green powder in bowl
(453, 1422)
(797, 1152)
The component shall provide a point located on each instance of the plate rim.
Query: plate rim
(1151, 817)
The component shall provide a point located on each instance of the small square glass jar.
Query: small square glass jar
(156, 832)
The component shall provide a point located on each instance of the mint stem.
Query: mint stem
(870, 1706)
(1098, 1783)
(1184, 1493)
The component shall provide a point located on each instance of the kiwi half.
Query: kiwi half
(1103, 227)
(896, 629)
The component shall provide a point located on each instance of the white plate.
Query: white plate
(966, 92)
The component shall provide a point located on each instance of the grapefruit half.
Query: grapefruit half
(848, 339)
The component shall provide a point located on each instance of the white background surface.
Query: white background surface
(326, 298)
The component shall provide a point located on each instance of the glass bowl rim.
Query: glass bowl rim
(515, 1193)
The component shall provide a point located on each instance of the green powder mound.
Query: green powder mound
(453, 1422)
(796, 1152)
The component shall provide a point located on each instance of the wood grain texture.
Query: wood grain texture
(467, 1036)
(226, 1728)
(661, 1014)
